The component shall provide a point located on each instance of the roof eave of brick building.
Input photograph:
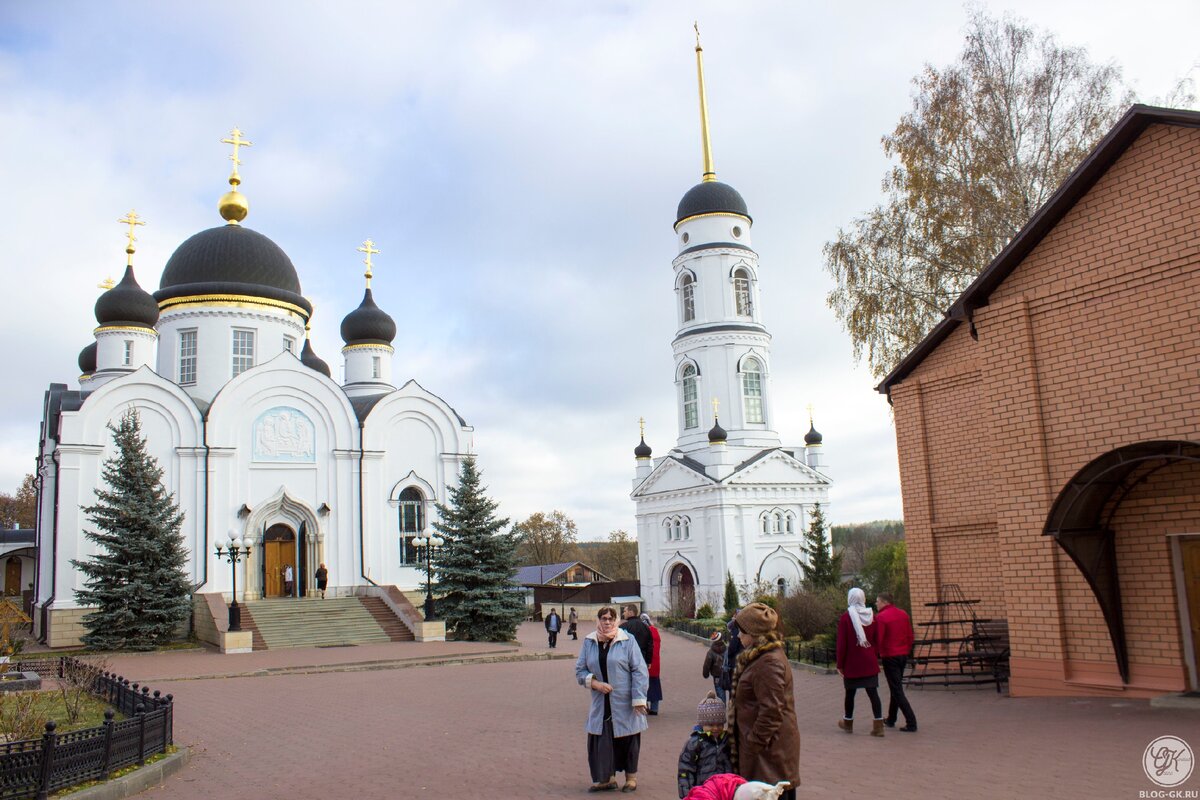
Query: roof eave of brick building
(1078, 183)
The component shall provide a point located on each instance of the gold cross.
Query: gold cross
(131, 219)
(716, 405)
(368, 247)
(642, 425)
(106, 284)
(810, 413)
(237, 141)
(696, 25)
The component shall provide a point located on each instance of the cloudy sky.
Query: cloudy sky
(519, 165)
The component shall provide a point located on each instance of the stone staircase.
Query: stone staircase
(314, 623)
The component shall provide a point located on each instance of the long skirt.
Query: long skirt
(654, 692)
(608, 756)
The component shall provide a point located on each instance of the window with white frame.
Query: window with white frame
(691, 398)
(375, 366)
(412, 523)
(752, 390)
(790, 522)
(741, 293)
(687, 528)
(128, 352)
(289, 344)
(687, 291)
(187, 357)
(243, 351)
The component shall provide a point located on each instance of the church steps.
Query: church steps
(311, 622)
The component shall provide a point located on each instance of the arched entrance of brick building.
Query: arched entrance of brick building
(683, 591)
(1087, 513)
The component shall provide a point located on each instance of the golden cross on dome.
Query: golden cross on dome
(131, 219)
(642, 426)
(716, 405)
(368, 247)
(810, 409)
(106, 284)
(235, 139)
(696, 25)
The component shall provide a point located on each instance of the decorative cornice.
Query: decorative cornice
(235, 300)
(714, 214)
(722, 249)
(370, 346)
(125, 329)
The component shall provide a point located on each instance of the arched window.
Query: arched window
(766, 523)
(687, 291)
(412, 522)
(790, 521)
(687, 528)
(691, 405)
(678, 529)
(741, 293)
(777, 522)
(781, 583)
(752, 390)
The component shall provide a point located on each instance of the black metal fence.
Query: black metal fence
(38, 767)
(806, 653)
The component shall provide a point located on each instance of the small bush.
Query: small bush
(809, 613)
(705, 612)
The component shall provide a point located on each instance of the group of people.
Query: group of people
(289, 579)
(746, 744)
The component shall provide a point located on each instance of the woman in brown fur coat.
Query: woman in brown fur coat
(762, 712)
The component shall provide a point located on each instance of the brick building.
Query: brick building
(1049, 428)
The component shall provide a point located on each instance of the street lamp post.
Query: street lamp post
(233, 551)
(428, 544)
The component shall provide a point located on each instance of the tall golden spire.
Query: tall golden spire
(233, 204)
(710, 172)
(368, 247)
(131, 219)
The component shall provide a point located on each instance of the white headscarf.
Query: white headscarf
(860, 614)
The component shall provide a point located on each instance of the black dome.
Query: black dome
(368, 324)
(231, 260)
(642, 450)
(87, 359)
(717, 434)
(812, 437)
(127, 304)
(711, 197)
(313, 361)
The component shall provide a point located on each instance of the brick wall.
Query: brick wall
(1092, 343)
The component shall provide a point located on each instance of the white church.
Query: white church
(730, 498)
(256, 439)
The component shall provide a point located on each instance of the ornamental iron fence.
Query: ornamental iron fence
(36, 768)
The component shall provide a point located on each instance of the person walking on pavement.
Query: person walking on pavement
(856, 661)
(893, 644)
(764, 738)
(731, 653)
(573, 624)
(611, 666)
(714, 661)
(553, 625)
(638, 630)
(322, 576)
(655, 694)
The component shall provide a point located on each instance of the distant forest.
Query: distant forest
(853, 541)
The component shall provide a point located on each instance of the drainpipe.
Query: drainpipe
(362, 527)
(54, 547)
(204, 504)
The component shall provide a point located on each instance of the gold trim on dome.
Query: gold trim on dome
(714, 214)
(139, 328)
(238, 300)
(366, 346)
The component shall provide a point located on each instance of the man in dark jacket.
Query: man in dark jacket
(731, 653)
(893, 643)
(638, 630)
(553, 626)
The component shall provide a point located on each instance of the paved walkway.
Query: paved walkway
(513, 729)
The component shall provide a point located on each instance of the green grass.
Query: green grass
(50, 705)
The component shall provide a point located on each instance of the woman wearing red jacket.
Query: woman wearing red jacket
(856, 659)
(654, 695)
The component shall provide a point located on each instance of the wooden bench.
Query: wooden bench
(988, 647)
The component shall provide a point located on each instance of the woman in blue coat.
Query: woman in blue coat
(611, 666)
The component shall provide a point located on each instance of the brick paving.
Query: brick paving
(514, 730)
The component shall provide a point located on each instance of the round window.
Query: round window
(737, 231)
(685, 238)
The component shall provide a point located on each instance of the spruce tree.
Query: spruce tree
(823, 568)
(476, 566)
(731, 595)
(136, 581)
